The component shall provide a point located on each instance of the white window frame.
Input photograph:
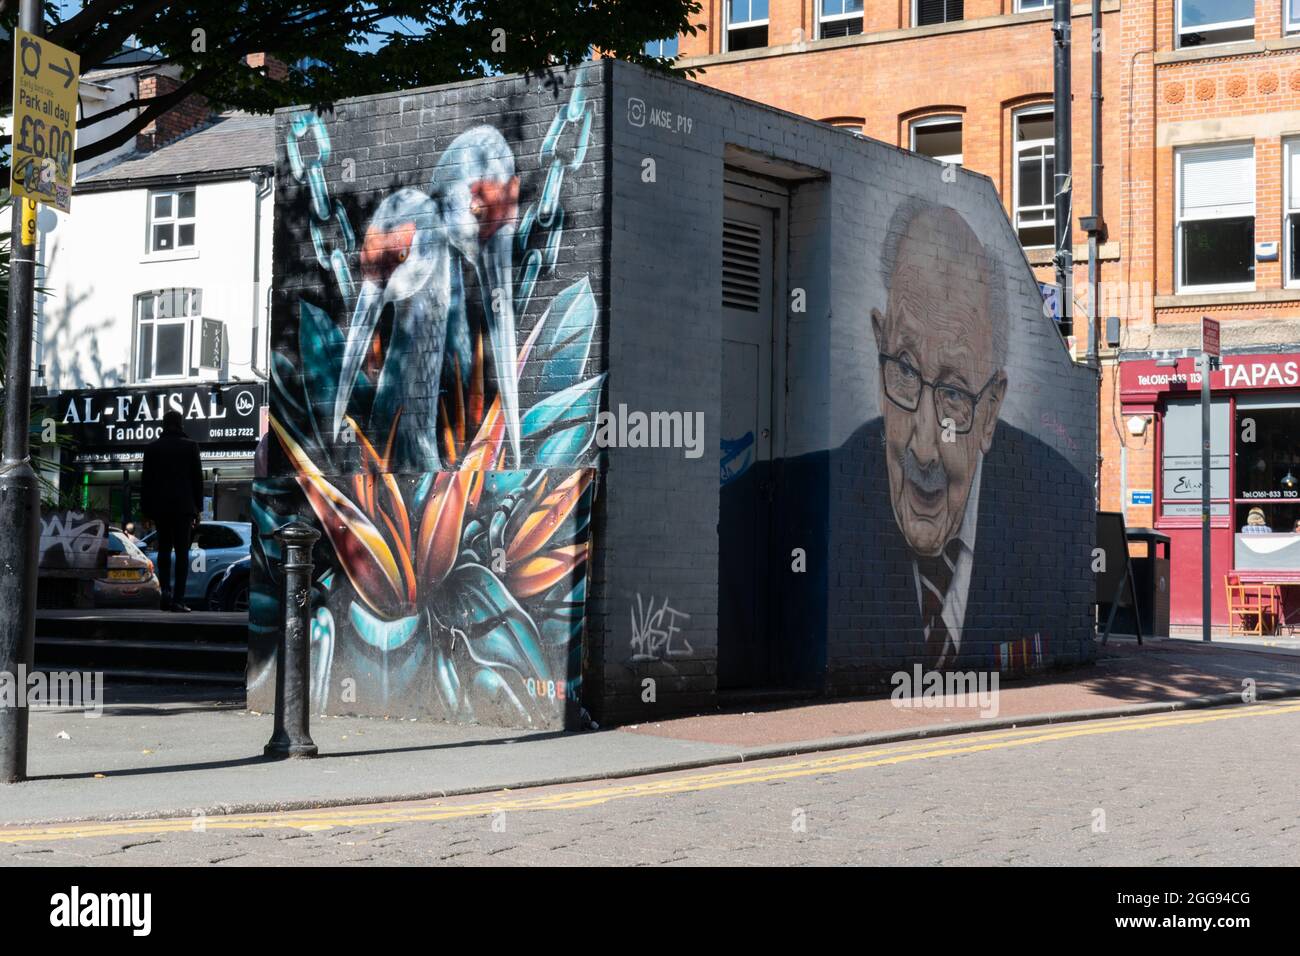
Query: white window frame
(1179, 287)
(186, 321)
(1022, 6)
(176, 220)
(1289, 25)
(1050, 187)
(939, 120)
(1226, 24)
(1289, 145)
(822, 17)
(916, 15)
(728, 26)
(660, 45)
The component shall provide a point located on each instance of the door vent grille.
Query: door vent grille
(742, 284)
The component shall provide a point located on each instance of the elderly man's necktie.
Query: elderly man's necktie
(936, 576)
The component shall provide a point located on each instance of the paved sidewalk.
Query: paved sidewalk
(154, 754)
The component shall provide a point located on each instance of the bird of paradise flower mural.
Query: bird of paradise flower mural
(453, 564)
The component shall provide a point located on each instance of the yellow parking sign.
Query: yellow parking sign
(29, 222)
(45, 120)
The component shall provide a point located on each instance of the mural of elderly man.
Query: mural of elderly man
(957, 565)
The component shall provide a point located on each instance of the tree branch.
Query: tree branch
(131, 104)
(98, 47)
(84, 21)
(157, 106)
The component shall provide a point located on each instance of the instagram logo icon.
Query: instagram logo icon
(636, 111)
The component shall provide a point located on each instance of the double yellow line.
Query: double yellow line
(571, 799)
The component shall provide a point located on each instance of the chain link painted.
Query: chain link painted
(323, 209)
(564, 148)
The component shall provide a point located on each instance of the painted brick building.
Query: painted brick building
(614, 393)
(1199, 124)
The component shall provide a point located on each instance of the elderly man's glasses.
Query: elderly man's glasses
(904, 386)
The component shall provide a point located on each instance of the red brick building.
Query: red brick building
(1200, 121)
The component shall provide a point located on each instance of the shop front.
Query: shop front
(104, 433)
(1254, 472)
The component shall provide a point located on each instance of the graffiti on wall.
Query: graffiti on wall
(72, 541)
(656, 631)
(456, 509)
(966, 550)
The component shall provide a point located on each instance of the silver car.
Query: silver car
(129, 579)
(220, 544)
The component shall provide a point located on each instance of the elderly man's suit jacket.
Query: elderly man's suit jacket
(1030, 573)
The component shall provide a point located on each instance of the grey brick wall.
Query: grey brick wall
(664, 350)
(650, 246)
(473, 639)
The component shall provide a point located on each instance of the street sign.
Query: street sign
(1136, 497)
(210, 343)
(1210, 336)
(45, 120)
(1051, 301)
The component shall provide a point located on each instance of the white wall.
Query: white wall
(97, 260)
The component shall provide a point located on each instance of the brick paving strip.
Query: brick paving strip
(144, 760)
(1127, 679)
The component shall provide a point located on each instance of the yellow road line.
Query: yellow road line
(730, 775)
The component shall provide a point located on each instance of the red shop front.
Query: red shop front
(1254, 464)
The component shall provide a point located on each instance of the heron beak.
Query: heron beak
(495, 276)
(361, 330)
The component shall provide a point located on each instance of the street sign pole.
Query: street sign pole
(20, 502)
(1205, 497)
(1208, 360)
(1062, 189)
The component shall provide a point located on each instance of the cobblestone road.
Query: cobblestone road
(1211, 787)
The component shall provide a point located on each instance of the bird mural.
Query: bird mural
(477, 194)
(453, 573)
(412, 260)
(405, 267)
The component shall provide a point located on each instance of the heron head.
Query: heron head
(404, 253)
(477, 192)
(399, 254)
(476, 189)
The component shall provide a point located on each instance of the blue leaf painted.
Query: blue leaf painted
(501, 483)
(381, 634)
(559, 429)
(446, 681)
(559, 357)
(320, 350)
(501, 633)
(563, 614)
(282, 374)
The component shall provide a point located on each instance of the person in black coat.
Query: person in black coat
(172, 495)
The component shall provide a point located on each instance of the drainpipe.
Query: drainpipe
(261, 189)
(1094, 225)
(1061, 181)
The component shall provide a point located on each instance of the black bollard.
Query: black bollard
(292, 685)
